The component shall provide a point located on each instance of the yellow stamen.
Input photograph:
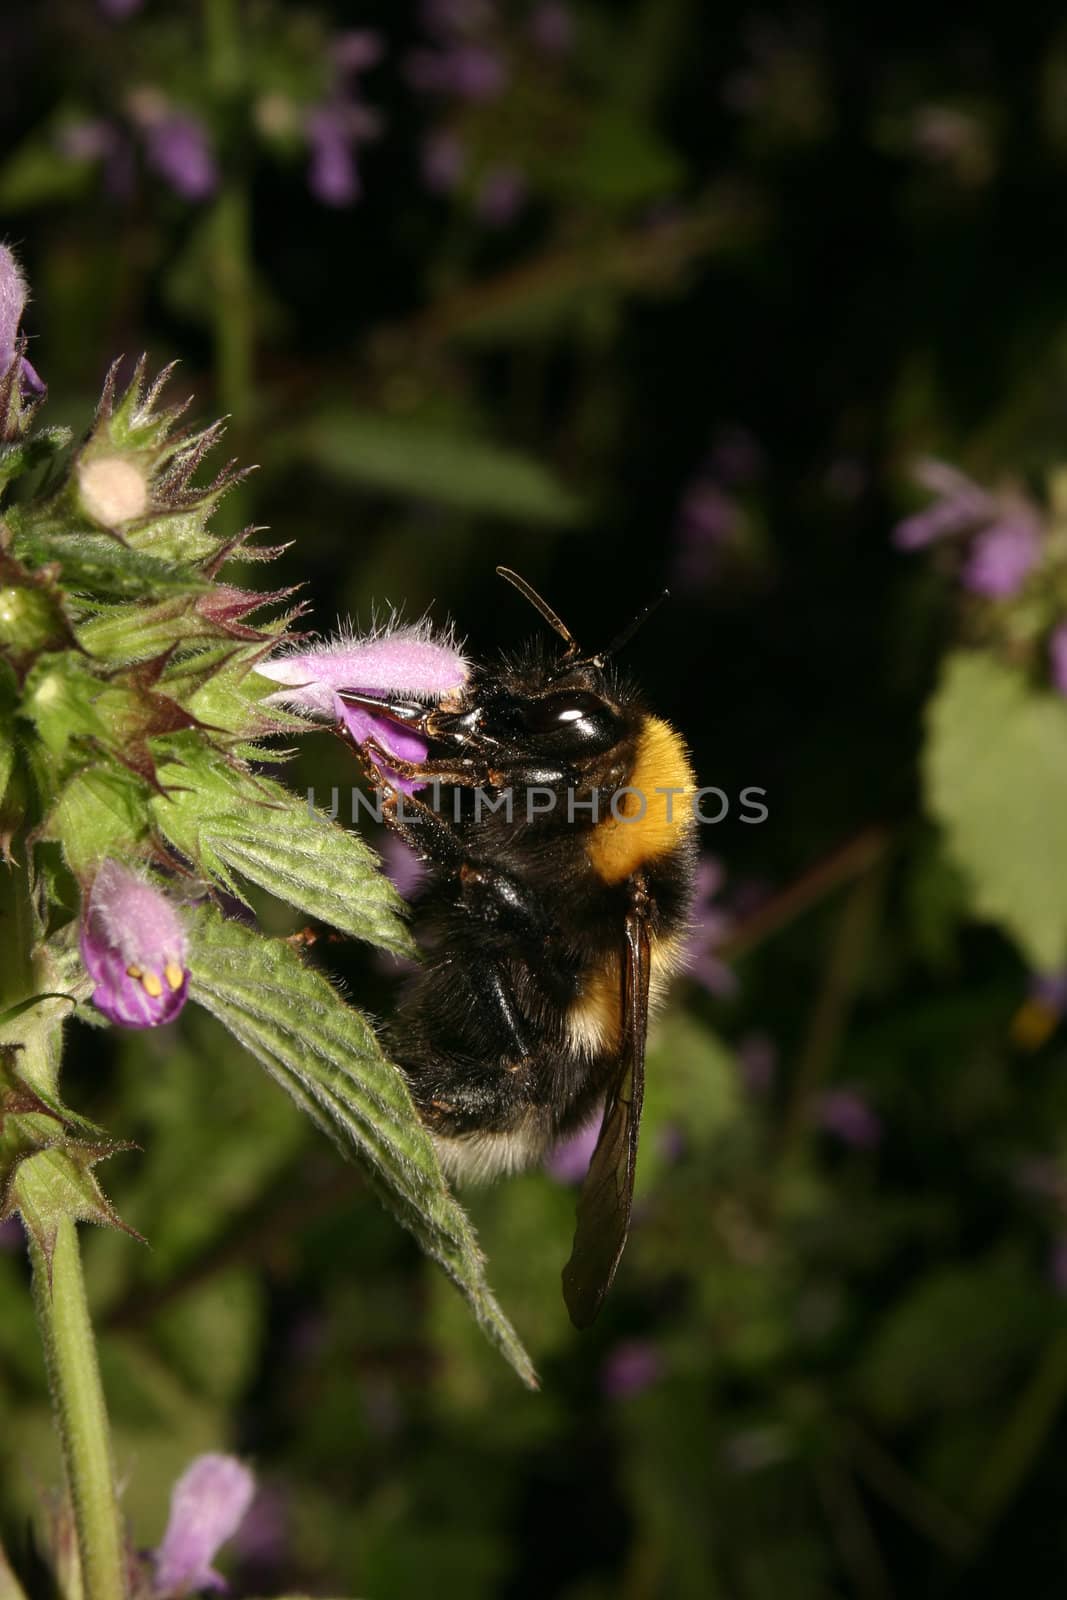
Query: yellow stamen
(174, 974)
(133, 972)
(152, 985)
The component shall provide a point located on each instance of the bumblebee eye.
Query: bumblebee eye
(573, 720)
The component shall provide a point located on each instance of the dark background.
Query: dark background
(762, 260)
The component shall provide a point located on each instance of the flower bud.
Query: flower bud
(112, 490)
(207, 1506)
(133, 946)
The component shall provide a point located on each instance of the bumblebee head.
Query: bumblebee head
(565, 708)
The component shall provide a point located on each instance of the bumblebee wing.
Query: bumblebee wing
(607, 1194)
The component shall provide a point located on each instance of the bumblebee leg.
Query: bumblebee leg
(430, 835)
(375, 757)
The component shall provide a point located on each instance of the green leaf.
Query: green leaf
(52, 1185)
(101, 568)
(60, 700)
(419, 460)
(995, 774)
(36, 174)
(100, 812)
(226, 821)
(621, 162)
(327, 1056)
(24, 454)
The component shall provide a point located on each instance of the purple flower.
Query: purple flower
(632, 1366)
(445, 17)
(332, 175)
(846, 1115)
(1002, 558)
(13, 297)
(1057, 655)
(357, 49)
(119, 10)
(207, 1506)
(466, 71)
(709, 518)
(443, 161)
(960, 506)
(410, 662)
(178, 148)
(501, 196)
(133, 947)
(552, 27)
(568, 1161)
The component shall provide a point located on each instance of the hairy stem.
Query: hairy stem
(78, 1399)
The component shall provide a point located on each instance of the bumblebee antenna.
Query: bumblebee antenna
(530, 593)
(628, 632)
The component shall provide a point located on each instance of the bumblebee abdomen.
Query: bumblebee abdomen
(655, 817)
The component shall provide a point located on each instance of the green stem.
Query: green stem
(232, 302)
(78, 1399)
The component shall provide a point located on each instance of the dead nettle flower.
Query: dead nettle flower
(501, 196)
(846, 1115)
(339, 124)
(178, 147)
(459, 62)
(207, 1506)
(13, 297)
(1005, 530)
(133, 946)
(410, 661)
(631, 1367)
(177, 143)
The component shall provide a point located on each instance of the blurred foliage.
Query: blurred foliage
(679, 300)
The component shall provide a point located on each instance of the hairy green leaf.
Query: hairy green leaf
(228, 821)
(327, 1056)
(101, 567)
(995, 769)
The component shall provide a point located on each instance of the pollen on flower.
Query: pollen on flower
(112, 490)
(133, 945)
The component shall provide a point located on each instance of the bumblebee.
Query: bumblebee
(560, 850)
